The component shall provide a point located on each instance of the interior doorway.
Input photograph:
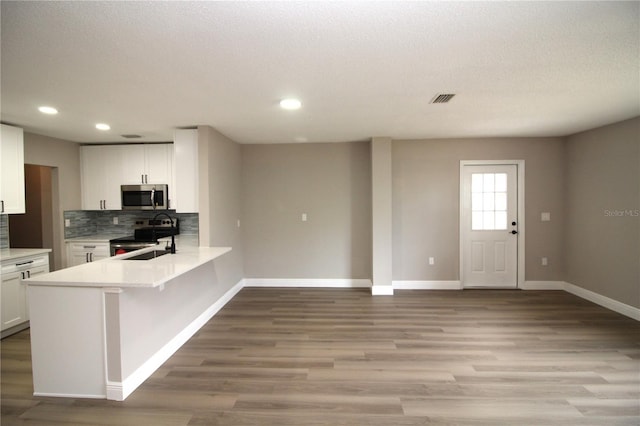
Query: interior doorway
(491, 224)
(34, 228)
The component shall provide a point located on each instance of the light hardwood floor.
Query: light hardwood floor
(343, 357)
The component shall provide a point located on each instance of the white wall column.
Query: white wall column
(381, 218)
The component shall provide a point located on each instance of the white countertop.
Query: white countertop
(16, 253)
(117, 271)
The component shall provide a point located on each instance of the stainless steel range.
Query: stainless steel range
(146, 233)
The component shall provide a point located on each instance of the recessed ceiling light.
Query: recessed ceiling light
(290, 104)
(102, 126)
(47, 110)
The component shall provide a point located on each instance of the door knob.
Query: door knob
(514, 232)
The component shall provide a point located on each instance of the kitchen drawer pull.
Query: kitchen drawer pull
(89, 247)
(24, 263)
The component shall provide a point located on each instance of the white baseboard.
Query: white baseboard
(543, 285)
(306, 282)
(118, 391)
(69, 395)
(426, 285)
(614, 305)
(598, 299)
(382, 290)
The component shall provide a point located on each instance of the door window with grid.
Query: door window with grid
(488, 201)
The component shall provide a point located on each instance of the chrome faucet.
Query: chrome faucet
(173, 237)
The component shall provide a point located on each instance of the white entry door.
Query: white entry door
(489, 226)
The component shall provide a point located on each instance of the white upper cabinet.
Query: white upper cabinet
(106, 167)
(101, 174)
(11, 170)
(150, 163)
(185, 151)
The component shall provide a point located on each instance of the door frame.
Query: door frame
(521, 214)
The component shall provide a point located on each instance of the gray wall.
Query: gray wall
(426, 203)
(220, 178)
(64, 157)
(331, 183)
(602, 235)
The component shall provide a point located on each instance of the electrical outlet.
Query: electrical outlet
(67, 223)
(545, 216)
(545, 261)
(432, 261)
(115, 220)
(238, 223)
(304, 217)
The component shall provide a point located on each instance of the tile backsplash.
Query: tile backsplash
(83, 223)
(4, 231)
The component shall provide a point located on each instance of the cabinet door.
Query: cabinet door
(102, 251)
(132, 165)
(101, 177)
(11, 170)
(13, 295)
(94, 169)
(158, 163)
(112, 181)
(76, 258)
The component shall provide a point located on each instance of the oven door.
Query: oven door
(144, 197)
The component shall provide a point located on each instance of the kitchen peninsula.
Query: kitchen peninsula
(100, 329)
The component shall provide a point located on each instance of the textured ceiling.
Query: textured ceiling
(361, 69)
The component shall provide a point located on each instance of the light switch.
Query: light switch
(432, 261)
(545, 261)
(545, 216)
(304, 217)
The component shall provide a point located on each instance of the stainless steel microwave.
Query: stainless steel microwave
(145, 197)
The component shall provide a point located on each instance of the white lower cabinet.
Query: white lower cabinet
(86, 252)
(13, 294)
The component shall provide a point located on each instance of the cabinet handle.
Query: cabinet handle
(146, 178)
(24, 263)
(28, 274)
(141, 178)
(22, 275)
(89, 247)
(91, 256)
(2, 202)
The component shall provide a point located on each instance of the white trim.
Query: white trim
(306, 282)
(520, 164)
(68, 395)
(119, 391)
(382, 290)
(426, 285)
(614, 305)
(543, 285)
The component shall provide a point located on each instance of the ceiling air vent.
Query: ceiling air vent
(131, 136)
(442, 98)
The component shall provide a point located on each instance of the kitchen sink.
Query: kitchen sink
(148, 255)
